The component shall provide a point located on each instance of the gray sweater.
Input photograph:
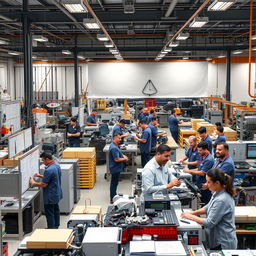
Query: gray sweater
(219, 225)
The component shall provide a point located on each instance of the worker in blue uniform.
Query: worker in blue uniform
(152, 114)
(154, 130)
(224, 161)
(118, 128)
(205, 164)
(205, 137)
(221, 137)
(192, 156)
(174, 125)
(91, 120)
(52, 192)
(116, 164)
(145, 142)
(74, 133)
(140, 115)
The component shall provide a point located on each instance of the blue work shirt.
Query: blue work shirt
(221, 138)
(209, 142)
(173, 123)
(205, 164)
(140, 116)
(91, 119)
(226, 165)
(192, 156)
(144, 117)
(52, 194)
(74, 130)
(219, 224)
(146, 135)
(150, 118)
(154, 132)
(115, 153)
(117, 129)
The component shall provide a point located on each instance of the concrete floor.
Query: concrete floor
(99, 195)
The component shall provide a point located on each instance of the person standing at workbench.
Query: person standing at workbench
(74, 133)
(174, 125)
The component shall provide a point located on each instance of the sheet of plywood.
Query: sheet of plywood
(50, 238)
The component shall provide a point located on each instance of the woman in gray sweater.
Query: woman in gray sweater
(219, 223)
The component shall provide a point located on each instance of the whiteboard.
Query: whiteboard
(19, 142)
(28, 166)
(40, 119)
(10, 111)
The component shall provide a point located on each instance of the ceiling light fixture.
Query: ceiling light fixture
(114, 51)
(91, 24)
(3, 42)
(174, 44)
(254, 48)
(254, 37)
(168, 49)
(209, 59)
(221, 56)
(74, 6)
(40, 38)
(14, 53)
(67, 52)
(183, 36)
(102, 37)
(108, 45)
(221, 5)
(199, 22)
(185, 58)
(237, 52)
(80, 57)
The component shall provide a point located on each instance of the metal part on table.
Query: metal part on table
(74, 162)
(214, 116)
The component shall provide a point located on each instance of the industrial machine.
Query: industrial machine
(214, 115)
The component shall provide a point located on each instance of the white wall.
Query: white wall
(63, 80)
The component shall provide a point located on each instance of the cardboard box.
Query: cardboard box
(80, 153)
(89, 209)
(11, 161)
(50, 238)
(3, 156)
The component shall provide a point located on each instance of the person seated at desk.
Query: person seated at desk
(221, 137)
(174, 125)
(116, 164)
(192, 156)
(205, 137)
(205, 164)
(74, 133)
(155, 175)
(219, 223)
(118, 129)
(91, 120)
(153, 127)
(145, 142)
(224, 161)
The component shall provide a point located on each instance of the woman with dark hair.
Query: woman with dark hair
(219, 223)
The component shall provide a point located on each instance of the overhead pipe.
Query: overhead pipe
(206, 2)
(171, 7)
(250, 51)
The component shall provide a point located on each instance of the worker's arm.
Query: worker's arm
(194, 171)
(140, 140)
(124, 135)
(121, 159)
(91, 124)
(195, 163)
(38, 184)
(183, 159)
(74, 134)
(161, 134)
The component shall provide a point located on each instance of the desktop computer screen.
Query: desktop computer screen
(251, 151)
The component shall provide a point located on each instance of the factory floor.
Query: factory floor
(99, 195)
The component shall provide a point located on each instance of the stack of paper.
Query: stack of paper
(169, 248)
(146, 248)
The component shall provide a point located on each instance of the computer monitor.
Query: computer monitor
(61, 116)
(251, 151)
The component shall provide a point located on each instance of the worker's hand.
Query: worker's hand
(97, 122)
(126, 134)
(37, 175)
(174, 182)
(126, 158)
(205, 186)
(187, 215)
(31, 181)
(186, 170)
(69, 134)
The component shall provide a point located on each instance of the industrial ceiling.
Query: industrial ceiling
(139, 29)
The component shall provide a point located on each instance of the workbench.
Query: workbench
(132, 150)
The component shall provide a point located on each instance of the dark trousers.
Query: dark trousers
(113, 184)
(74, 145)
(205, 196)
(145, 157)
(52, 214)
(175, 135)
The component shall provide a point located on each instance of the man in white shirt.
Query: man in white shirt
(155, 175)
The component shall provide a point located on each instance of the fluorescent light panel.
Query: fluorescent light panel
(254, 37)
(74, 6)
(108, 45)
(185, 58)
(67, 52)
(183, 36)
(209, 58)
(174, 44)
(14, 53)
(168, 49)
(221, 5)
(237, 52)
(40, 38)
(3, 42)
(80, 57)
(91, 24)
(102, 37)
(199, 22)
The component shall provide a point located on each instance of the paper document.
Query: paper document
(169, 248)
(146, 248)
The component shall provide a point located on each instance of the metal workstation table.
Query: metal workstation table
(132, 149)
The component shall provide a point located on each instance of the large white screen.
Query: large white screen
(127, 80)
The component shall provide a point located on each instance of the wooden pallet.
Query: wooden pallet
(184, 134)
